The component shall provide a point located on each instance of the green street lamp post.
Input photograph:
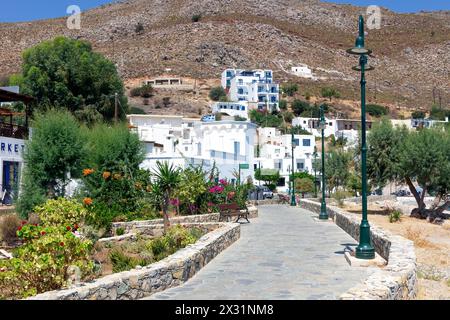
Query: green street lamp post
(323, 207)
(315, 171)
(365, 250)
(293, 202)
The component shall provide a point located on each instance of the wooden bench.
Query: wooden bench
(283, 199)
(229, 210)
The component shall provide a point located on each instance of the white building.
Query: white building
(12, 143)
(302, 70)
(186, 141)
(346, 128)
(233, 109)
(275, 152)
(253, 86)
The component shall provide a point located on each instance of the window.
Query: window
(277, 164)
(306, 142)
(224, 155)
(240, 82)
(242, 108)
(277, 151)
(213, 153)
(237, 149)
(296, 142)
(300, 165)
(228, 83)
(273, 99)
(260, 89)
(240, 91)
(199, 149)
(229, 74)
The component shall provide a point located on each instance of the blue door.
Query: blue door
(10, 179)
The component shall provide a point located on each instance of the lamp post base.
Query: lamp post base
(323, 212)
(364, 250)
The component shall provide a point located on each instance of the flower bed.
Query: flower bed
(169, 272)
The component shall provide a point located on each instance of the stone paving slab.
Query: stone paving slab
(284, 254)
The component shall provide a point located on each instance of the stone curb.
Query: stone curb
(140, 282)
(398, 279)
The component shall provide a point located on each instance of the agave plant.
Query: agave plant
(167, 178)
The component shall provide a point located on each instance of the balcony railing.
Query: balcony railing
(13, 131)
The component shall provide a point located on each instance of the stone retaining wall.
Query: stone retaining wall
(199, 218)
(169, 272)
(398, 279)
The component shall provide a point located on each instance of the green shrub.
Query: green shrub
(289, 89)
(299, 106)
(217, 94)
(57, 148)
(328, 92)
(340, 196)
(41, 264)
(8, 227)
(418, 115)
(196, 17)
(123, 262)
(61, 212)
(120, 231)
(395, 216)
(136, 110)
(376, 110)
(283, 104)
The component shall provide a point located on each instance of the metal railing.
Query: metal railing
(13, 131)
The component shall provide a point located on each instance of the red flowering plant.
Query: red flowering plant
(41, 263)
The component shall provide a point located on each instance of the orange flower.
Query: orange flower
(106, 175)
(87, 201)
(87, 172)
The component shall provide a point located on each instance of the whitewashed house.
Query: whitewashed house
(187, 141)
(232, 109)
(252, 86)
(275, 152)
(303, 71)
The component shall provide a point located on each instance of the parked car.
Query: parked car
(401, 193)
(267, 194)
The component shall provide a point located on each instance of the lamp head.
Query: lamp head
(359, 48)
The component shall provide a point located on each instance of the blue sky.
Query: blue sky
(26, 10)
(402, 6)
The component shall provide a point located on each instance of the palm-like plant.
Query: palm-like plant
(167, 177)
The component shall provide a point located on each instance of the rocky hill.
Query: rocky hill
(147, 37)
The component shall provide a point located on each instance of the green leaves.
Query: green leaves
(67, 74)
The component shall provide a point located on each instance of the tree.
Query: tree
(217, 94)
(383, 142)
(437, 113)
(264, 119)
(328, 92)
(337, 165)
(167, 178)
(304, 185)
(376, 110)
(66, 73)
(354, 183)
(418, 115)
(299, 106)
(269, 176)
(54, 152)
(424, 156)
(289, 89)
(283, 104)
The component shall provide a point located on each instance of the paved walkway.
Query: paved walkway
(283, 254)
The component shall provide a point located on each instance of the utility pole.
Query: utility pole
(116, 109)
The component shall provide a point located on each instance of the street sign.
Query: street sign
(243, 166)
